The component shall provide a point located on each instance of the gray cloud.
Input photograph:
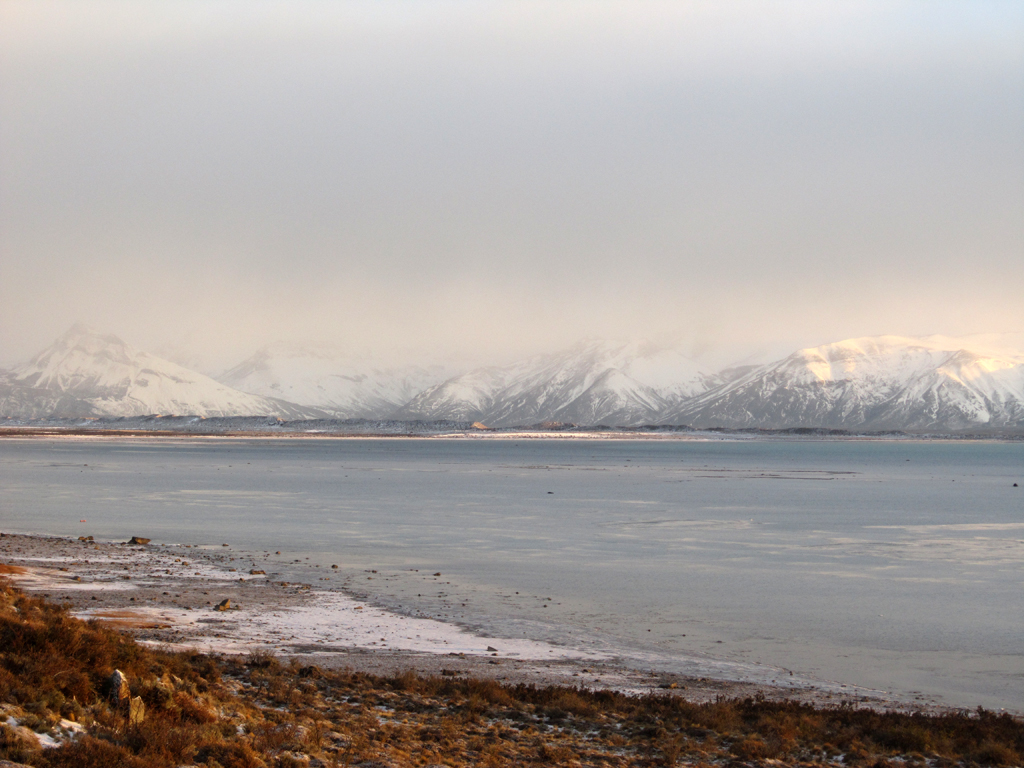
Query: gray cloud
(489, 179)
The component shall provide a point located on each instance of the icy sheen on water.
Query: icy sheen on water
(896, 565)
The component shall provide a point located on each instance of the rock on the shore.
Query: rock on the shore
(119, 690)
(223, 605)
(136, 711)
(138, 540)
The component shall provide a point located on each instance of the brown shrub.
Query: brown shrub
(193, 711)
(14, 746)
(554, 753)
(155, 738)
(751, 748)
(271, 737)
(263, 659)
(575, 701)
(904, 737)
(230, 755)
(89, 752)
(993, 753)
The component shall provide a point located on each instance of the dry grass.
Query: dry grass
(256, 711)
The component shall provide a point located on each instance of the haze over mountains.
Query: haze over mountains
(327, 379)
(878, 383)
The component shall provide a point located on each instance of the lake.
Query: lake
(891, 564)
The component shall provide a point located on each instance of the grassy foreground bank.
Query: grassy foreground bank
(57, 710)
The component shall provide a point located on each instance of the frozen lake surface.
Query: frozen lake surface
(890, 564)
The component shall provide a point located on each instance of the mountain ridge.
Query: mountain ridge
(879, 383)
(590, 382)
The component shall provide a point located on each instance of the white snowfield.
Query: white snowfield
(875, 383)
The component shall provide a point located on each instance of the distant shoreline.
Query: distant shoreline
(296, 431)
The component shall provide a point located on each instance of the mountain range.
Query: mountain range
(593, 382)
(868, 384)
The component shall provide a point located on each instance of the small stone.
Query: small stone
(334, 566)
(119, 686)
(138, 540)
(491, 649)
(136, 711)
(254, 572)
(223, 605)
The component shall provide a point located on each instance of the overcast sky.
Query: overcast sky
(494, 178)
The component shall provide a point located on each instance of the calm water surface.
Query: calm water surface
(895, 565)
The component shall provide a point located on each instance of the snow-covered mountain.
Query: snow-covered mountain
(331, 381)
(878, 383)
(85, 373)
(593, 382)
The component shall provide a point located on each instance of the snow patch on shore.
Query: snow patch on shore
(335, 619)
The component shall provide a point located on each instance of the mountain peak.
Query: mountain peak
(99, 374)
(80, 331)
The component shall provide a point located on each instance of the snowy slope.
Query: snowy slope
(22, 401)
(85, 373)
(885, 382)
(462, 398)
(322, 377)
(592, 382)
